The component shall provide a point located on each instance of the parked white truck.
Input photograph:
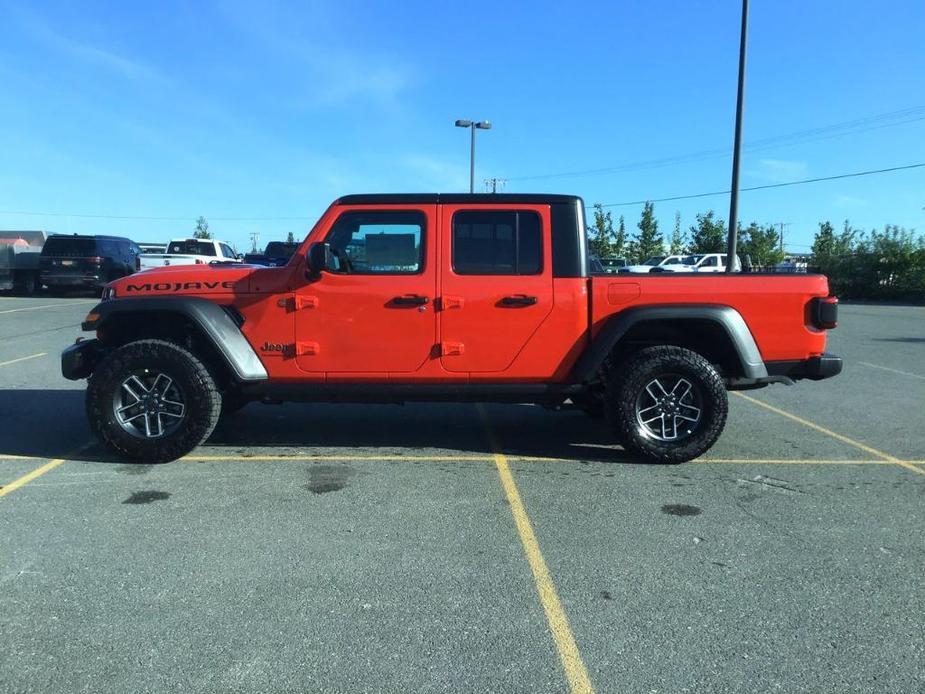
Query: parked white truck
(696, 262)
(190, 252)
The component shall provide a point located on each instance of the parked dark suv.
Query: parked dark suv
(71, 262)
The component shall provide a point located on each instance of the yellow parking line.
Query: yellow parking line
(512, 458)
(828, 432)
(25, 479)
(16, 361)
(347, 458)
(39, 471)
(575, 671)
(36, 308)
(895, 371)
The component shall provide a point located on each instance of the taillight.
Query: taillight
(824, 312)
(199, 261)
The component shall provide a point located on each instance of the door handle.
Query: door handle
(414, 300)
(520, 300)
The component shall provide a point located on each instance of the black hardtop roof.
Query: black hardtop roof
(454, 198)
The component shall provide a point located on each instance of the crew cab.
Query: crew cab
(190, 252)
(436, 297)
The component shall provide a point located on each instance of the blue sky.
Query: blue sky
(268, 110)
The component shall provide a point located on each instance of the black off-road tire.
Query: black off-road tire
(626, 383)
(201, 397)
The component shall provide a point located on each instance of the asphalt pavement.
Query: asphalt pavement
(347, 548)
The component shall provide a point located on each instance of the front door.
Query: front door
(375, 313)
(496, 286)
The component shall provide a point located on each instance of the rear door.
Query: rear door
(496, 286)
(375, 314)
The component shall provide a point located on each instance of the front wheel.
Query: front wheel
(667, 404)
(152, 401)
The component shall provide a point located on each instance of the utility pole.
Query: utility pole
(255, 236)
(495, 184)
(473, 126)
(781, 225)
(737, 147)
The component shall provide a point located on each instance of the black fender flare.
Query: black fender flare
(726, 317)
(216, 324)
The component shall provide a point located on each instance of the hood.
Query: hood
(187, 279)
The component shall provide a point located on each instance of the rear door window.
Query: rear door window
(497, 242)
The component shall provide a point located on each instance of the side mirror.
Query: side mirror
(320, 259)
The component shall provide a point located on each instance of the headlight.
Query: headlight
(108, 293)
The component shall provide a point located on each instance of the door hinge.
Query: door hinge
(306, 349)
(297, 303)
(448, 302)
(452, 349)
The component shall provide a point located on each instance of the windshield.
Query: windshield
(192, 247)
(654, 260)
(70, 246)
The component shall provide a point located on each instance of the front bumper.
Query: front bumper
(815, 368)
(79, 360)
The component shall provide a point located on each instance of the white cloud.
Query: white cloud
(333, 74)
(780, 170)
(87, 52)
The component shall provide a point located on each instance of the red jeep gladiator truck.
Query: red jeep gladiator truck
(436, 297)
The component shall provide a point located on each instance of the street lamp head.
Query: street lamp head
(463, 123)
(483, 125)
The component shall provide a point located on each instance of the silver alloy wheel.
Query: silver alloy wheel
(149, 405)
(669, 408)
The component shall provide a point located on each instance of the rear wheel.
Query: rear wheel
(152, 401)
(667, 404)
(26, 284)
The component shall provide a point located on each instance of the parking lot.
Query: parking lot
(344, 548)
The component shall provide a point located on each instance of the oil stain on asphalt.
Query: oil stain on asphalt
(681, 510)
(327, 478)
(146, 497)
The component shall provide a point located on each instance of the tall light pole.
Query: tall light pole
(473, 126)
(737, 148)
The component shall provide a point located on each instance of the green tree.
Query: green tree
(708, 235)
(601, 238)
(761, 244)
(202, 229)
(832, 253)
(620, 246)
(649, 241)
(678, 243)
(290, 238)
